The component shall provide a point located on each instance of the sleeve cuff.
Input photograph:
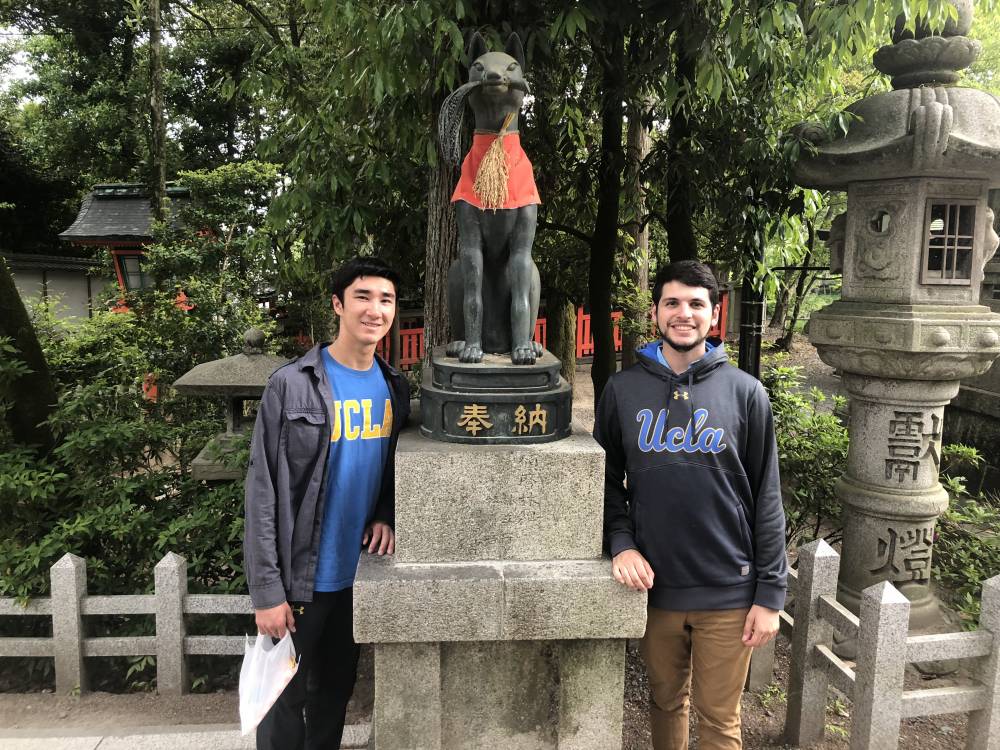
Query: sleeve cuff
(267, 596)
(770, 595)
(621, 541)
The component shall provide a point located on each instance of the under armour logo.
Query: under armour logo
(678, 394)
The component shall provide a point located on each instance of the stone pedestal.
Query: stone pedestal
(495, 402)
(497, 624)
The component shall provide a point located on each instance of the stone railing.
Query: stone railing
(875, 683)
(69, 603)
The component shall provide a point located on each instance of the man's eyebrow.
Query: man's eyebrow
(366, 290)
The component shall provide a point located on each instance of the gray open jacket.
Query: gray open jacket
(286, 482)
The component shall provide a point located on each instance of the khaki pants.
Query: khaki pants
(702, 650)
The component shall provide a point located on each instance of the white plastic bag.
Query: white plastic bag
(267, 668)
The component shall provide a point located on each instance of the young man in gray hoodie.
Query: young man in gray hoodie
(692, 511)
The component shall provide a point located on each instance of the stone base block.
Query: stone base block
(495, 402)
(515, 695)
(498, 502)
(578, 599)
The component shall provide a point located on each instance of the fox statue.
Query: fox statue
(493, 286)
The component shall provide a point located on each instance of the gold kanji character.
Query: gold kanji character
(520, 420)
(537, 416)
(475, 417)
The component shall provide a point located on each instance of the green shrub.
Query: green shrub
(812, 452)
(967, 540)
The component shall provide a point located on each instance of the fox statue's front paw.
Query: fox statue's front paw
(523, 355)
(538, 348)
(471, 352)
(454, 348)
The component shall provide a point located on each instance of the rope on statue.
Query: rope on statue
(491, 180)
(450, 123)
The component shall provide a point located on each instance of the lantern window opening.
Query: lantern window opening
(950, 240)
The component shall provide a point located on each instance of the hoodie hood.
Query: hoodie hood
(714, 357)
(681, 387)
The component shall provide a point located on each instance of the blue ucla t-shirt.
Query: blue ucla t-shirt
(359, 442)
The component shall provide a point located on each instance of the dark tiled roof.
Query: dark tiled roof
(117, 213)
(29, 261)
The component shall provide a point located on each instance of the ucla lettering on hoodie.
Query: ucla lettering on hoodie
(695, 438)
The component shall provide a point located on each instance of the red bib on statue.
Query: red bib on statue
(521, 190)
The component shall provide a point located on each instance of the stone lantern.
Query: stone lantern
(239, 378)
(917, 164)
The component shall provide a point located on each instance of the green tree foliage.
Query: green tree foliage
(117, 488)
(812, 452)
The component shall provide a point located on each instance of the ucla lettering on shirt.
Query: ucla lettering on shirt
(352, 420)
(695, 438)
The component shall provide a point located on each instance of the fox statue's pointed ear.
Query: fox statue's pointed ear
(477, 47)
(514, 49)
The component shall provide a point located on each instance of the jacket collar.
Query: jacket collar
(313, 359)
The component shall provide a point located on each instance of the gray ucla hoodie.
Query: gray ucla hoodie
(691, 481)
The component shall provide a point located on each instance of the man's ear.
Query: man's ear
(336, 304)
(514, 49)
(477, 48)
(716, 312)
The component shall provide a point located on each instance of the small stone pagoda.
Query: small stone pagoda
(238, 379)
(917, 164)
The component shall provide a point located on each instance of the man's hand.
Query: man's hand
(275, 620)
(380, 538)
(631, 569)
(760, 626)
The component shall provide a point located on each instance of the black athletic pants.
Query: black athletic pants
(324, 641)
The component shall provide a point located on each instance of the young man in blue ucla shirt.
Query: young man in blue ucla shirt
(320, 487)
(692, 511)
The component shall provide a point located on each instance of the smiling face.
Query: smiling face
(684, 315)
(367, 310)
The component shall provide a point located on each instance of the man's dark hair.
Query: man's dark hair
(358, 266)
(689, 273)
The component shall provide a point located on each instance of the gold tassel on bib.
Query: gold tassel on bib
(491, 179)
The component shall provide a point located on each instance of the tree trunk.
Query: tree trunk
(560, 320)
(637, 149)
(604, 242)
(127, 145)
(780, 308)
(785, 342)
(440, 249)
(157, 122)
(33, 394)
(679, 212)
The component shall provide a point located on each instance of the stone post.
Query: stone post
(917, 164)
(878, 687)
(69, 587)
(807, 683)
(170, 576)
(497, 622)
(984, 725)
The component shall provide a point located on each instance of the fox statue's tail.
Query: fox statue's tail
(450, 123)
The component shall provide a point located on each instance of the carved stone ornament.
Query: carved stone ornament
(896, 364)
(876, 248)
(920, 62)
